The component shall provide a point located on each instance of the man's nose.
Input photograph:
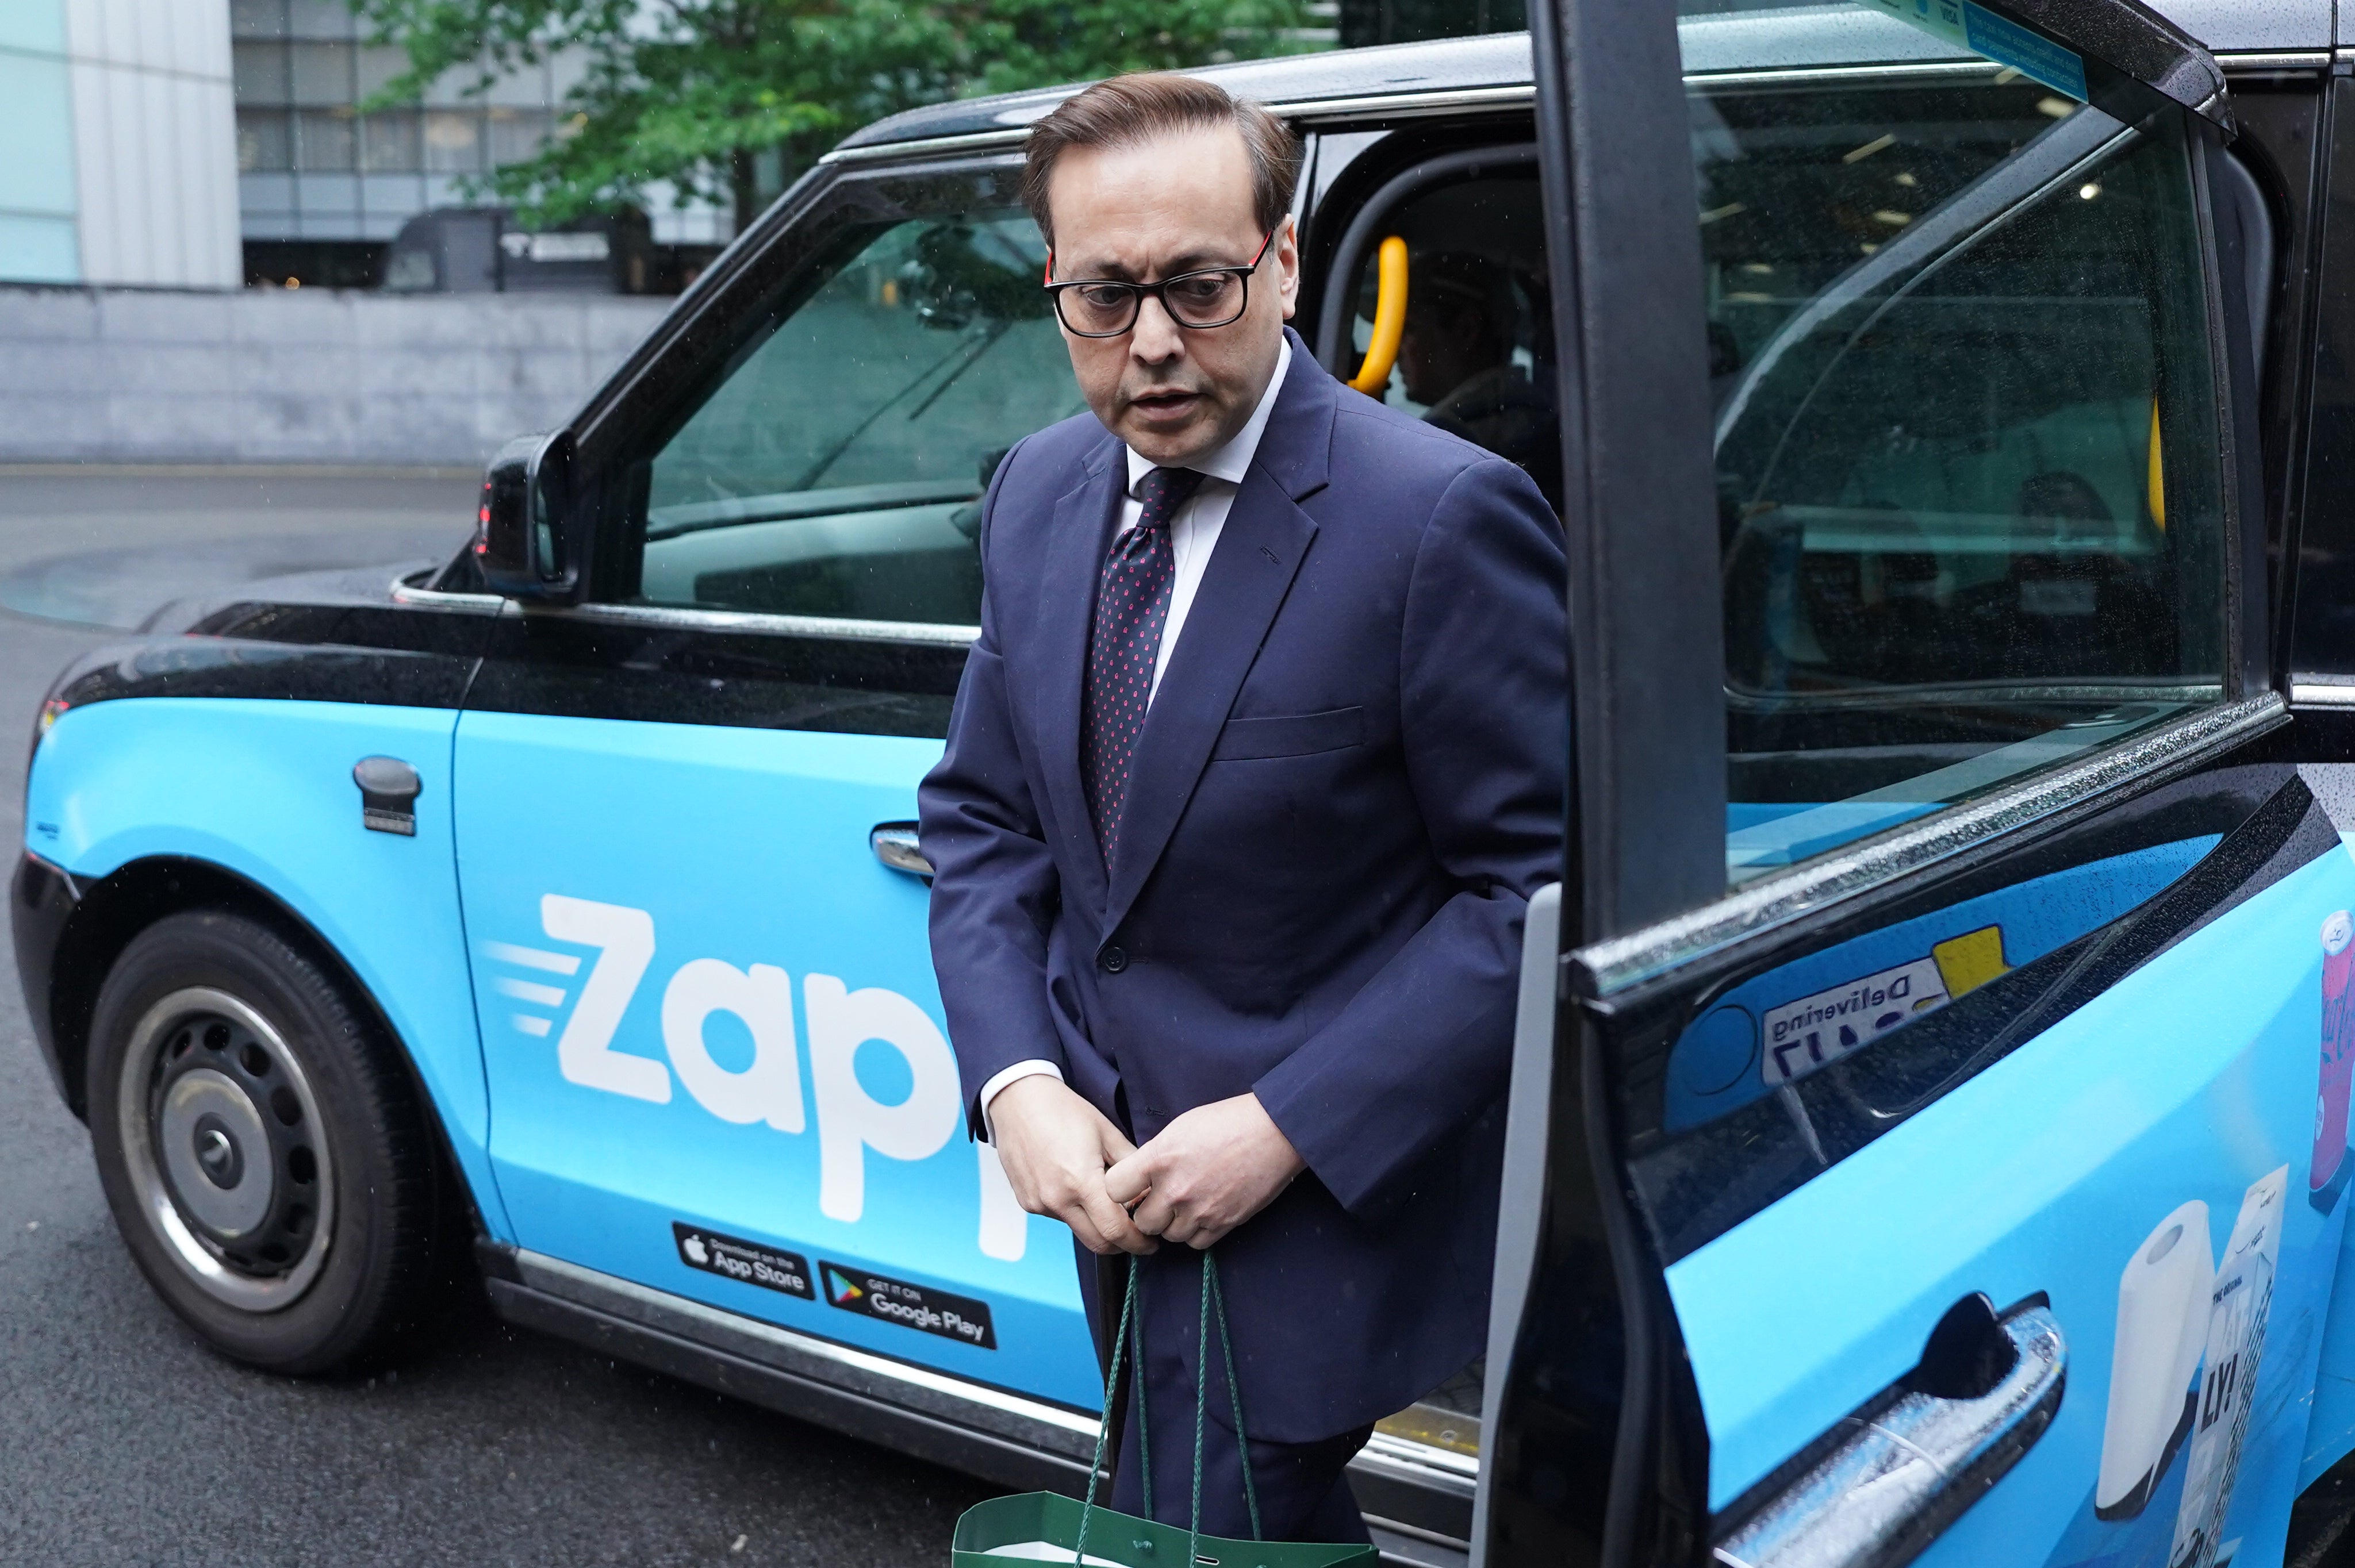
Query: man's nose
(1156, 338)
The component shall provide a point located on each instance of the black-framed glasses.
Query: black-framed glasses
(1101, 307)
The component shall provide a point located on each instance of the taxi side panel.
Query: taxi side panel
(715, 1042)
(2330, 1425)
(2056, 1172)
(264, 789)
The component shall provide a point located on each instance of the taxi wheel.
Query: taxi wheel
(264, 1155)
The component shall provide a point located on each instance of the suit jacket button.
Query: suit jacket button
(1112, 959)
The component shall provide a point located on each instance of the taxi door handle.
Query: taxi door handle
(895, 845)
(1888, 1478)
(388, 791)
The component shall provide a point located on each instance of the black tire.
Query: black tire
(356, 1210)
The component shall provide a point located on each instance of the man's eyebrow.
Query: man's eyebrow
(1114, 271)
(1195, 261)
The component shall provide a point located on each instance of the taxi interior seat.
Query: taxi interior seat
(1477, 358)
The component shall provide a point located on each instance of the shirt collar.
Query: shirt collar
(1231, 461)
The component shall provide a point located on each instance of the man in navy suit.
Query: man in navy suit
(1256, 762)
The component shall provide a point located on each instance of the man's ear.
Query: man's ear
(1287, 267)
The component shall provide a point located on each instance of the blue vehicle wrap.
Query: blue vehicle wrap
(715, 1042)
(263, 788)
(770, 1087)
(2154, 1165)
(2330, 1426)
(702, 1051)
(676, 1013)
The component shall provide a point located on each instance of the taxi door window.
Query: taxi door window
(831, 462)
(1971, 502)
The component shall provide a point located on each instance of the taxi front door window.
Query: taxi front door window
(831, 464)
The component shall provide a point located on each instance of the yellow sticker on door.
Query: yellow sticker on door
(1805, 1033)
(1969, 961)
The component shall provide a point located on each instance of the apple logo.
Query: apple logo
(693, 1247)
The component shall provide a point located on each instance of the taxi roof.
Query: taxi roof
(1334, 81)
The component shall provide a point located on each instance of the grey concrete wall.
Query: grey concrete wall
(297, 376)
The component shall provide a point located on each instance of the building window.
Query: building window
(257, 18)
(265, 143)
(516, 135)
(320, 19)
(454, 141)
(322, 73)
(377, 67)
(389, 142)
(260, 71)
(324, 142)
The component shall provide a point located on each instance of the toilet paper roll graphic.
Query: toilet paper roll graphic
(2239, 1308)
(2162, 1327)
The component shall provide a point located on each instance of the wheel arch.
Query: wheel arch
(115, 909)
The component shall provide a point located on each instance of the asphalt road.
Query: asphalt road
(122, 1440)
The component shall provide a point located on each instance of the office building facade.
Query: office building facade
(324, 184)
(206, 144)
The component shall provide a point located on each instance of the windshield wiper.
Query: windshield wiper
(981, 346)
(970, 347)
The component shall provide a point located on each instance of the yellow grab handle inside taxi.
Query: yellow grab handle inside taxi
(2157, 482)
(1389, 318)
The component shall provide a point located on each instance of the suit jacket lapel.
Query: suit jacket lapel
(1259, 552)
(1084, 519)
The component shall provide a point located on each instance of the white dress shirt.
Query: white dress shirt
(1193, 534)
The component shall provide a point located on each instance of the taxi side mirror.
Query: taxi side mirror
(520, 533)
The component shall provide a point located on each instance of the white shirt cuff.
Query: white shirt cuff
(1020, 1070)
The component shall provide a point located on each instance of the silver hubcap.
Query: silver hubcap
(225, 1150)
(215, 1153)
(218, 1155)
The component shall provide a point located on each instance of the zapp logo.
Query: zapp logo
(850, 1123)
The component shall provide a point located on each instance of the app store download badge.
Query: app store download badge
(920, 1307)
(732, 1258)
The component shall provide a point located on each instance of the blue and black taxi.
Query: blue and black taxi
(1928, 1133)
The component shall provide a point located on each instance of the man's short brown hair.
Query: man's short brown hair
(1124, 111)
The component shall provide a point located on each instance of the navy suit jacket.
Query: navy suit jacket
(1347, 786)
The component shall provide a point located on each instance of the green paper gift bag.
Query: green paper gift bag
(1048, 1527)
(1045, 1527)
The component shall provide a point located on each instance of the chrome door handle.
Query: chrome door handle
(1882, 1484)
(895, 845)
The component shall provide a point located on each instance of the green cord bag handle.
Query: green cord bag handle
(1048, 1527)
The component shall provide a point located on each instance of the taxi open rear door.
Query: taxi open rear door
(1929, 1124)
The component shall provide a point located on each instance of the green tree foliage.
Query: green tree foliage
(691, 92)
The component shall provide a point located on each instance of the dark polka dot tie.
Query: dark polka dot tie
(1131, 605)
